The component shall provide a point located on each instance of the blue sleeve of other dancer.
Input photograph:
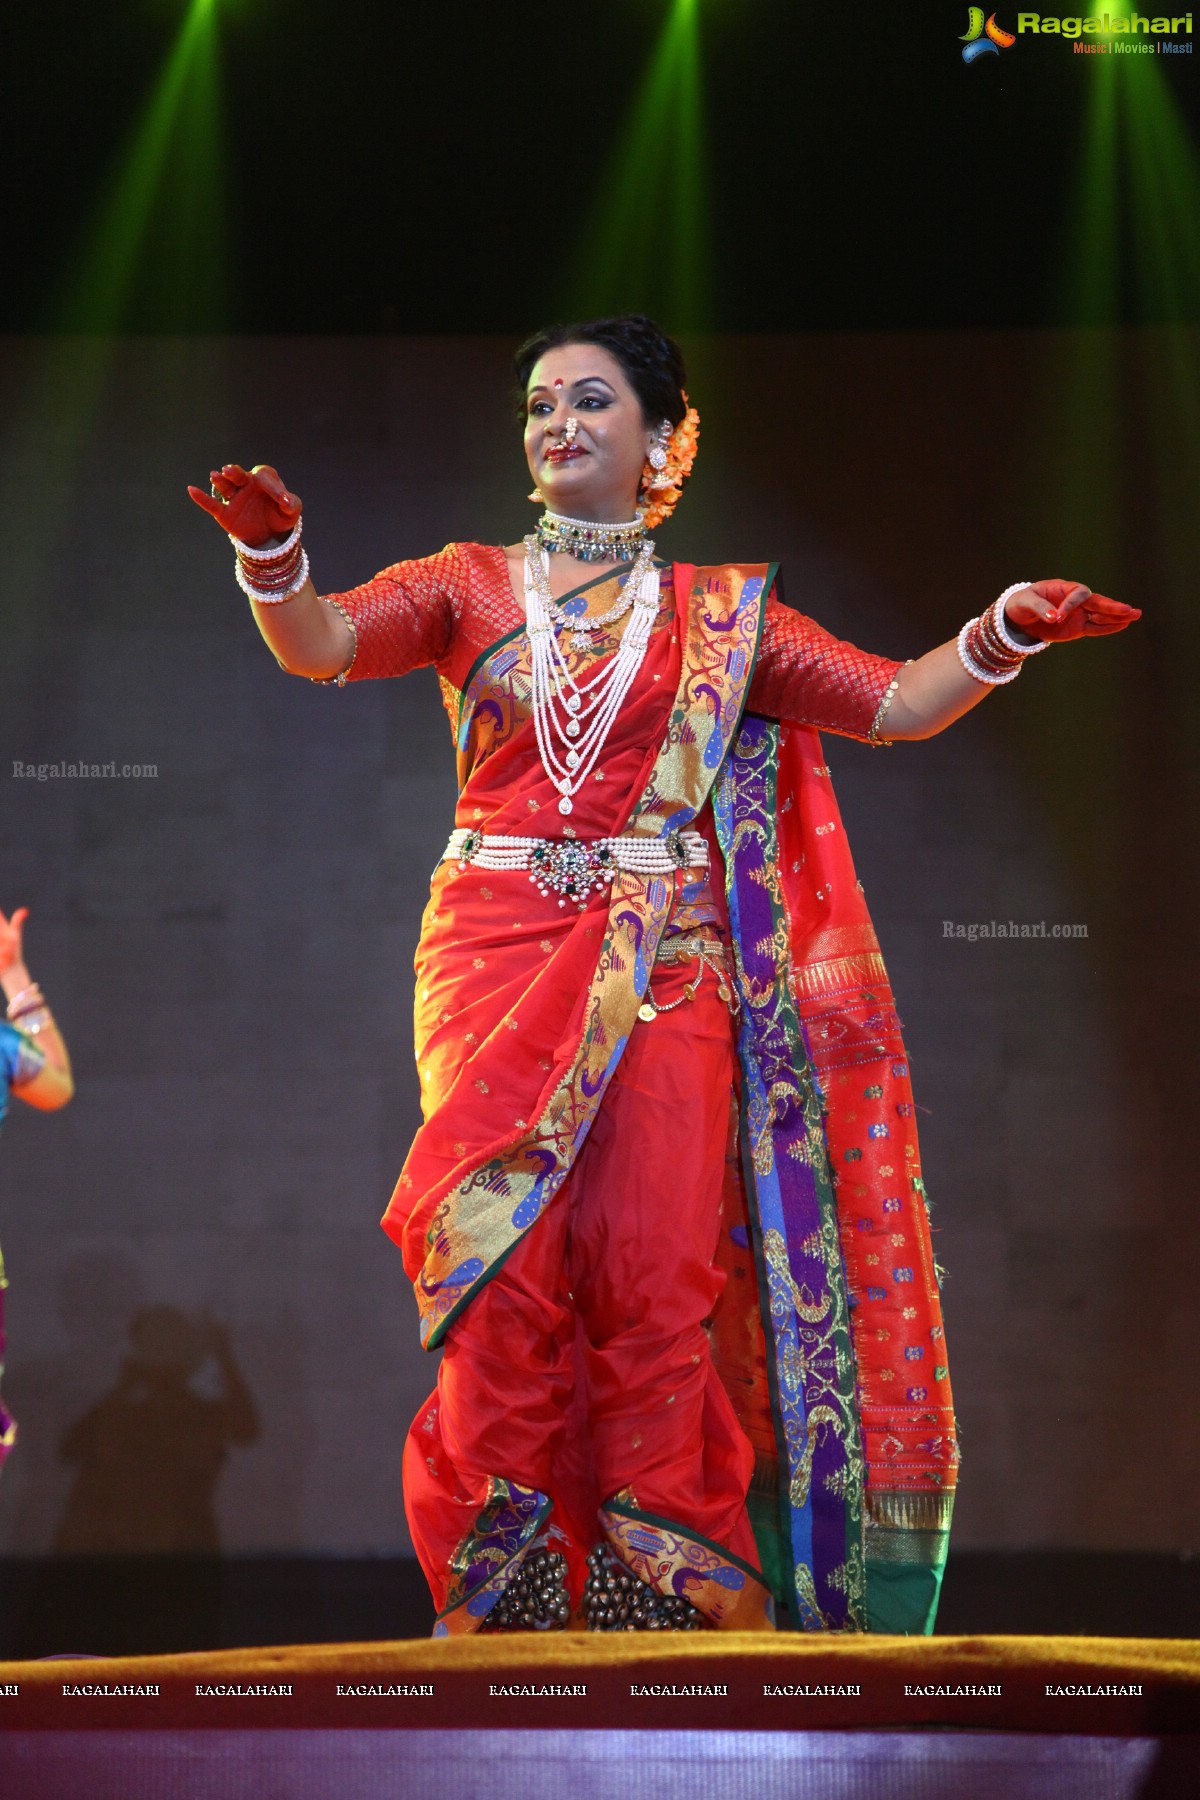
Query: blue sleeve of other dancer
(14, 1052)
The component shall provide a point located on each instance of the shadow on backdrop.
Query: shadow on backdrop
(149, 1454)
(138, 1542)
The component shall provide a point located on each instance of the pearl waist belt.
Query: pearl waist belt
(573, 867)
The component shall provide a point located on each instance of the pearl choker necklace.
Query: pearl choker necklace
(590, 540)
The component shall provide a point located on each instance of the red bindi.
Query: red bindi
(558, 383)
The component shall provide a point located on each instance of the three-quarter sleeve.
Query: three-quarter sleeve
(806, 674)
(404, 617)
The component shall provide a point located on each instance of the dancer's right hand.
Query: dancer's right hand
(11, 955)
(254, 506)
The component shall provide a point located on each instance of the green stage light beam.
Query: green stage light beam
(1076, 521)
(97, 292)
(1165, 173)
(1088, 404)
(645, 248)
(1117, 484)
(191, 291)
(1165, 206)
(50, 423)
(689, 264)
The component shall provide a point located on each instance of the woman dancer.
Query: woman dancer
(693, 1359)
(34, 1066)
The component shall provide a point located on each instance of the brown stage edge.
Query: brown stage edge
(1160, 1678)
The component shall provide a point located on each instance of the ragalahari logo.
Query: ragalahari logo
(984, 39)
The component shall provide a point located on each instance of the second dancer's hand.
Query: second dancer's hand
(253, 505)
(12, 956)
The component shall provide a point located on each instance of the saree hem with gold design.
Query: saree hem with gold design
(679, 1562)
(489, 1557)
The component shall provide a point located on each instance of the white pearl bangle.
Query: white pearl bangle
(265, 597)
(1004, 629)
(270, 553)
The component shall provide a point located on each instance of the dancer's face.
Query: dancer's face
(596, 475)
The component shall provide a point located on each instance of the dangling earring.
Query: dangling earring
(537, 496)
(667, 466)
(658, 450)
(656, 456)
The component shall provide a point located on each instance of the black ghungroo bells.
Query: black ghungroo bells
(615, 1600)
(537, 1599)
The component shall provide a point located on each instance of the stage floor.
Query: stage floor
(1124, 1687)
(614, 1718)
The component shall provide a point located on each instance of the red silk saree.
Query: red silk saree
(827, 1336)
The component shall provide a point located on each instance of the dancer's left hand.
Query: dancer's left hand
(1057, 611)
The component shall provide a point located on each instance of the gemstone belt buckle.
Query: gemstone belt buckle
(571, 870)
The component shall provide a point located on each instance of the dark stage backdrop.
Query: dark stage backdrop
(228, 940)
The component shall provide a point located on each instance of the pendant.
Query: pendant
(572, 703)
(573, 728)
(566, 804)
(647, 1012)
(581, 642)
(572, 759)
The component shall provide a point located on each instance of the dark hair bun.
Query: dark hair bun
(652, 361)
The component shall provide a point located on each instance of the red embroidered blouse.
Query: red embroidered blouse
(449, 609)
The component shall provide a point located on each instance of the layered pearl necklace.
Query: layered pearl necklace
(572, 719)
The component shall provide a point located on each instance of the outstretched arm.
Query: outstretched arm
(401, 619)
(805, 674)
(936, 689)
(49, 1084)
